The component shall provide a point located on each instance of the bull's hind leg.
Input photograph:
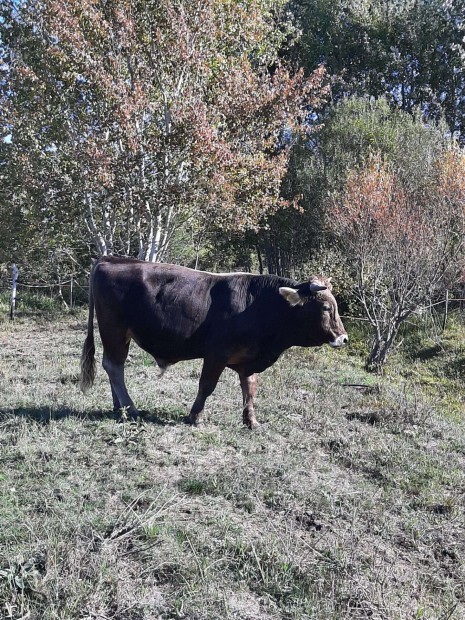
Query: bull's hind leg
(211, 372)
(121, 399)
(249, 387)
(115, 352)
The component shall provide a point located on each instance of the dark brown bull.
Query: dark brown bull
(236, 320)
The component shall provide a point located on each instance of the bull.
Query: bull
(237, 320)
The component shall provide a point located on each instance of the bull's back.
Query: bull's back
(172, 312)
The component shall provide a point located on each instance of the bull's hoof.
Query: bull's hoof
(252, 424)
(125, 414)
(192, 421)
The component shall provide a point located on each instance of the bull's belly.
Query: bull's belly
(171, 349)
(235, 351)
(168, 351)
(255, 365)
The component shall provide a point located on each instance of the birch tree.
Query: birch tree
(132, 118)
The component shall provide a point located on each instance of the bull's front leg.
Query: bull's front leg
(249, 387)
(211, 372)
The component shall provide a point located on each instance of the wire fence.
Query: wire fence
(421, 309)
(72, 291)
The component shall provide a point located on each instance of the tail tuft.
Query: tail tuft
(88, 368)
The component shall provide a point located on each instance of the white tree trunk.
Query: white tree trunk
(13, 292)
(98, 238)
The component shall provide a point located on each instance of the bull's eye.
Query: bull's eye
(326, 308)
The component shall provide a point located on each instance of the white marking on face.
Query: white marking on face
(340, 341)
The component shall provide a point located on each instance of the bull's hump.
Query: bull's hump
(226, 274)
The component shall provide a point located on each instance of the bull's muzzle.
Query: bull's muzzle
(340, 341)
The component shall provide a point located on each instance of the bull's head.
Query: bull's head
(316, 295)
(298, 296)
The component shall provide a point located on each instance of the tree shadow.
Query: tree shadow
(45, 415)
(427, 353)
(456, 367)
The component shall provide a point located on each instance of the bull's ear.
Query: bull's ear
(291, 295)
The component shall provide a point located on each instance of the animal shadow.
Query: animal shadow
(44, 415)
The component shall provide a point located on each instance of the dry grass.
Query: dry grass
(347, 503)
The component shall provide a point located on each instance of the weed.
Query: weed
(193, 486)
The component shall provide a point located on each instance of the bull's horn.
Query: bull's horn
(317, 286)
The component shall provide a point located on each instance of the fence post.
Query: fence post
(446, 311)
(71, 292)
(13, 292)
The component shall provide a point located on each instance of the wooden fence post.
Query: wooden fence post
(446, 311)
(13, 292)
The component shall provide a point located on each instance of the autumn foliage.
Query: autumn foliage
(404, 244)
(154, 115)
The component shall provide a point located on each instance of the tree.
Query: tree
(355, 129)
(132, 118)
(404, 243)
(411, 51)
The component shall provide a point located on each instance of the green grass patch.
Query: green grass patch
(347, 502)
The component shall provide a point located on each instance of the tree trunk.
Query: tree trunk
(98, 238)
(260, 262)
(380, 348)
(13, 292)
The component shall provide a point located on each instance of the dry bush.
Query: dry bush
(404, 244)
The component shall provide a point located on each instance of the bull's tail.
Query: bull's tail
(88, 368)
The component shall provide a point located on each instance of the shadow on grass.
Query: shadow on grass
(427, 353)
(44, 415)
(456, 367)
(453, 366)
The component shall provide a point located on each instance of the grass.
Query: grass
(347, 503)
(430, 359)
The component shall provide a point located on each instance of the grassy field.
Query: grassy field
(347, 502)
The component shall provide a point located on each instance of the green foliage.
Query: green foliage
(359, 127)
(356, 128)
(31, 303)
(411, 51)
(127, 123)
